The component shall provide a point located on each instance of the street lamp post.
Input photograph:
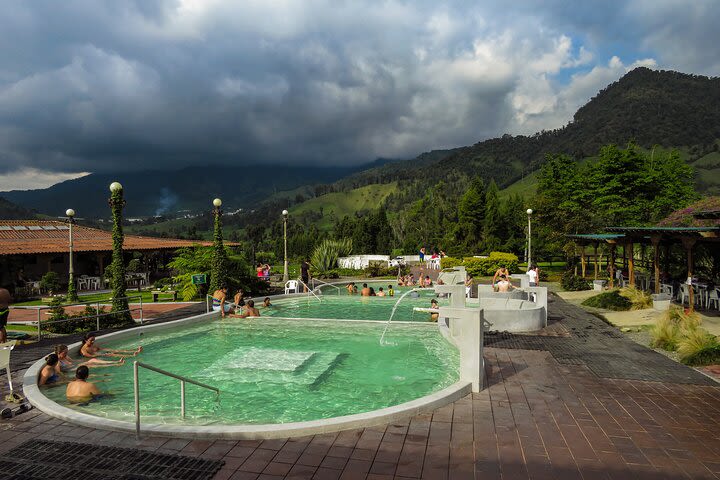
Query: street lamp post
(286, 277)
(72, 292)
(529, 254)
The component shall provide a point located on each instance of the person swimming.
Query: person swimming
(380, 292)
(266, 302)
(390, 291)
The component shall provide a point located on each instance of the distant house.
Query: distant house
(30, 248)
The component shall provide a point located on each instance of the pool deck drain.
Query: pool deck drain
(43, 459)
(540, 417)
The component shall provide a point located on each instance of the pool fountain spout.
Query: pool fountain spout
(392, 314)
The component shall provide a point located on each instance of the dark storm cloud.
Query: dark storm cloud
(105, 86)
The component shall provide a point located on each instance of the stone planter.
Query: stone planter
(661, 301)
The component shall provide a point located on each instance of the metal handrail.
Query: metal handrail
(325, 283)
(309, 291)
(136, 387)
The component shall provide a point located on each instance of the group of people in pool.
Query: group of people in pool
(370, 291)
(239, 307)
(409, 281)
(59, 364)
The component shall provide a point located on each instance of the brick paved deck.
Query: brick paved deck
(538, 419)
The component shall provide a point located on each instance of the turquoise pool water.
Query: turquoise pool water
(336, 304)
(276, 371)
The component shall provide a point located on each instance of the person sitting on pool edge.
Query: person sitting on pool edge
(90, 350)
(80, 390)
(266, 302)
(219, 301)
(250, 310)
(239, 300)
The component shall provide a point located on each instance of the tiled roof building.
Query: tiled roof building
(22, 237)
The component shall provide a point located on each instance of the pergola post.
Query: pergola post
(595, 251)
(655, 239)
(582, 259)
(631, 263)
(689, 244)
(612, 263)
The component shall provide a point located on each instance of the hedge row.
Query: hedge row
(486, 266)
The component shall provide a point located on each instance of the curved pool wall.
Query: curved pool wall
(420, 405)
(523, 310)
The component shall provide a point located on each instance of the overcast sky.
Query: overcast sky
(88, 86)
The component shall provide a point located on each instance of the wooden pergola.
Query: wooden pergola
(657, 237)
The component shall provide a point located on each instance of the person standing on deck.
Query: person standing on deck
(305, 274)
(5, 299)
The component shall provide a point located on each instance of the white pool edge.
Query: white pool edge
(420, 405)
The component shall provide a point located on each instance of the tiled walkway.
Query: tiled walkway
(538, 419)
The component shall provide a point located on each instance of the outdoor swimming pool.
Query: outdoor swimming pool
(275, 371)
(334, 304)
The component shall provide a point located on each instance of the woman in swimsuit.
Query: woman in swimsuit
(219, 301)
(66, 363)
(90, 350)
(49, 373)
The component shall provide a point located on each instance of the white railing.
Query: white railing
(136, 387)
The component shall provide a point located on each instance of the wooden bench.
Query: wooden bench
(156, 294)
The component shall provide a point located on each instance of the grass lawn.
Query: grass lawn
(105, 298)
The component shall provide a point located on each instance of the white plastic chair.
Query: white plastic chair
(5, 349)
(684, 293)
(291, 286)
(714, 297)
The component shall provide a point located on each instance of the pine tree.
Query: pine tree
(492, 225)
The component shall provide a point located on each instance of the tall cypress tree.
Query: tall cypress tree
(117, 267)
(218, 270)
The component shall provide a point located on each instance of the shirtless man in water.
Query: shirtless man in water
(80, 390)
(250, 310)
(503, 285)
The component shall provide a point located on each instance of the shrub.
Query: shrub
(50, 282)
(611, 300)
(674, 326)
(639, 299)
(379, 270)
(698, 347)
(573, 283)
(325, 256)
(665, 334)
(449, 262)
(482, 267)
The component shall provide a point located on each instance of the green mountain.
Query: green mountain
(164, 192)
(10, 211)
